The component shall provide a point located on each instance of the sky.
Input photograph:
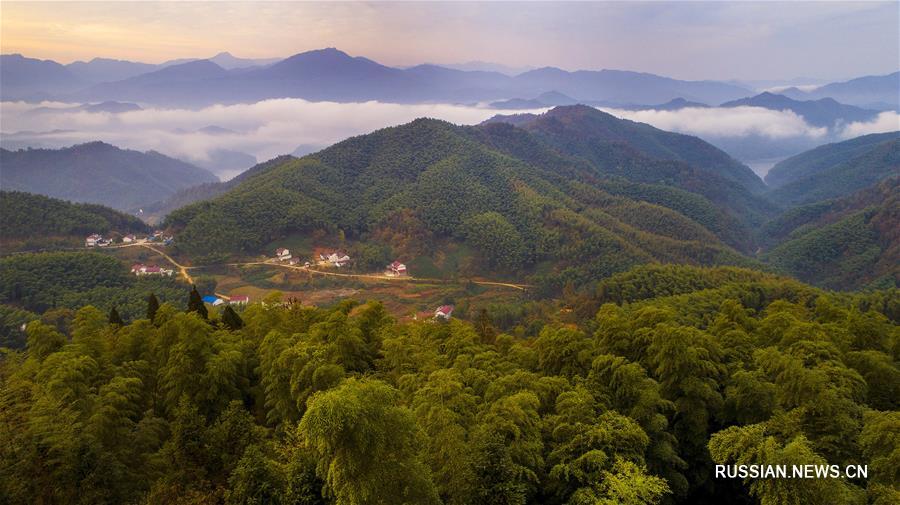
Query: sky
(686, 40)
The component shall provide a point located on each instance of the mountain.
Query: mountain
(225, 60)
(98, 173)
(621, 86)
(154, 212)
(513, 200)
(100, 70)
(182, 84)
(330, 74)
(112, 107)
(825, 112)
(34, 221)
(484, 66)
(835, 170)
(547, 99)
(228, 61)
(673, 104)
(24, 78)
(874, 91)
(590, 133)
(847, 243)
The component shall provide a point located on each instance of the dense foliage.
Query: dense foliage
(37, 282)
(847, 243)
(834, 173)
(33, 221)
(631, 405)
(429, 181)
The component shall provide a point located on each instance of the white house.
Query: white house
(128, 239)
(396, 269)
(93, 240)
(336, 258)
(282, 254)
(140, 269)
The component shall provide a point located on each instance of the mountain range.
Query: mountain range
(874, 91)
(100, 173)
(519, 196)
(330, 74)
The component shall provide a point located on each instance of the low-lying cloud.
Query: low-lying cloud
(272, 127)
(726, 122)
(887, 121)
(264, 129)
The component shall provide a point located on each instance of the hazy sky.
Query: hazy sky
(691, 40)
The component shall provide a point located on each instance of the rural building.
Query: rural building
(93, 240)
(128, 239)
(140, 269)
(239, 300)
(212, 300)
(396, 269)
(336, 258)
(282, 254)
(443, 312)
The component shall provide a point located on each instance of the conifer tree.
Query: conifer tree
(195, 304)
(152, 307)
(231, 319)
(114, 317)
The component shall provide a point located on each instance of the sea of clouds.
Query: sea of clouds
(272, 127)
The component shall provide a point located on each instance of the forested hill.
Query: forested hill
(835, 170)
(157, 210)
(97, 172)
(846, 243)
(585, 131)
(39, 220)
(679, 369)
(430, 180)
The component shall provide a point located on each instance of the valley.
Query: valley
(622, 248)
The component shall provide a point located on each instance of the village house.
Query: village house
(396, 269)
(128, 239)
(212, 300)
(140, 269)
(336, 258)
(282, 254)
(239, 300)
(93, 240)
(443, 312)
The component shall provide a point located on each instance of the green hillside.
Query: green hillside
(451, 182)
(156, 211)
(846, 243)
(35, 221)
(100, 173)
(836, 170)
(606, 146)
(821, 158)
(42, 281)
(580, 129)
